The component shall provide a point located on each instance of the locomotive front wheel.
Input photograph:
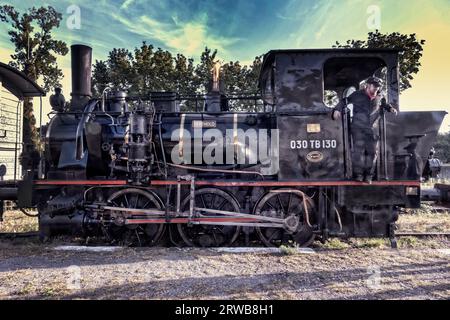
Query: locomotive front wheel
(286, 205)
(136, 234)
(210, 235)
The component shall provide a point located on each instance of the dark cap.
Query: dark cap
(57, 89)
(375, 81)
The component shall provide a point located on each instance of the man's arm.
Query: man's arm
(388, 107)
(337, 111)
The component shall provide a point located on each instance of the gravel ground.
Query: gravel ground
(29, 271)
(16, 221)
(351, 269)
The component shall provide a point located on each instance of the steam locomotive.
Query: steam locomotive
(144, 170)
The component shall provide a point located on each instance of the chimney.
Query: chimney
(81, 57)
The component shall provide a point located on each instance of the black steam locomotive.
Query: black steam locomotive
(141, 170)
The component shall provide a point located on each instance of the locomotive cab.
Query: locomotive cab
(305, 85)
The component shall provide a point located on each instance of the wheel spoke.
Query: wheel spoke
(215, 237)
(138, 238)
(222, 204)
(275, 231)
(289, 203)
(213, 200)
(220, 230)
(281, 204)
(137, 200)
(270, 205)
(145, 205)
(203, 201)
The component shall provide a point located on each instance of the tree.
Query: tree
(409, 57)
(252, 77)
(184, 81)
(146, 70)
(442, 147)
(100, 77)
(163, 71)
(143, 65)
(233, 76)
(120, 64)
(203, 76)
(35, 55)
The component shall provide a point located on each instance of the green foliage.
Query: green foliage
(35, 49)
(239, 78)
(100, 77)
(442, 147)
(370, 243)
(289, 250)
(408, 242)
(203, 75)
(148, 70)
(330, 98)
(184, 80)
(120, 65)
(409, 58)
(335, 243)
(35, 55)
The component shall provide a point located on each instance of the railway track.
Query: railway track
(23, 235)
(422, 234)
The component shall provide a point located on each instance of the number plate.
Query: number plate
(313, 144)
(204, 124)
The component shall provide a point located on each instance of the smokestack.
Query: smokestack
(81, 76)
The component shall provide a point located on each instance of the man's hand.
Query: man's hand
(393, 110)
(336, 114)
(388, 106)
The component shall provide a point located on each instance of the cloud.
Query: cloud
(295, 10)
(126, 4)
(331, 21)
(283, 17)
(188, 37)
(320, 32)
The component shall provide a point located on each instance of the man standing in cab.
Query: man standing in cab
(364, 127)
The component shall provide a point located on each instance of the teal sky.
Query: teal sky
(243, 29)
(239, 29)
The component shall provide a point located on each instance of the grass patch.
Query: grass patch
(50, 292)
(422, 220)
(340, 244)
(407, 242)
(335, 243)
(289, 250)
(26, 290)
(370, 243)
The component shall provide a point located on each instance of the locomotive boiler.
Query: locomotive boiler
(153, 169)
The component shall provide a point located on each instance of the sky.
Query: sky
(243, 29)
